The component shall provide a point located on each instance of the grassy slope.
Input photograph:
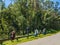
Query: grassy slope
(21, 40)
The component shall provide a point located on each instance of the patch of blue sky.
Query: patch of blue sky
(7, 2)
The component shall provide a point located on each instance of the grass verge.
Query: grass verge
(21, 40)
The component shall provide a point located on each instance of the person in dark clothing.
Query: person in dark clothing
(27, 31)
(12, 35)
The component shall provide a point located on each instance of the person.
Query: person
(44, 31)
(27, 31)
(36, 32)
(40, 32)
(12, 35)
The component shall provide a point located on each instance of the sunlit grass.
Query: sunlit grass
(21, 40)
(25, 39)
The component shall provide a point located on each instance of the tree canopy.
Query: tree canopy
(32, 13)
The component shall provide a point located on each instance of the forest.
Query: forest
(29, 13)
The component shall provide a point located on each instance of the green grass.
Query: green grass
(21, 40)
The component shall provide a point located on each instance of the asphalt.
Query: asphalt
(50, 40)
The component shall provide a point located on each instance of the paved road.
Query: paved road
(51, 40)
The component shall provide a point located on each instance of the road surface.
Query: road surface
(50, 40)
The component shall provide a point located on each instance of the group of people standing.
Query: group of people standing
(36, 32)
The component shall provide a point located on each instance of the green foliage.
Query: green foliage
(35, 14)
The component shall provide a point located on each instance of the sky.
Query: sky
(7, 2)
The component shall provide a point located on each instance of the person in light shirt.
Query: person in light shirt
(36, 32)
